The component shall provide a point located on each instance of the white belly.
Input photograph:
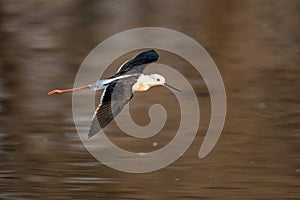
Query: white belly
(139, 87)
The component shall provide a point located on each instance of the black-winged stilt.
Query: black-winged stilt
(119, 88)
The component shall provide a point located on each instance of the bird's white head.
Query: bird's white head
(145, 82)
(156, 79)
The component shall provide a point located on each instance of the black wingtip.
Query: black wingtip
(90, 134)
(94, 128)
(150, 55)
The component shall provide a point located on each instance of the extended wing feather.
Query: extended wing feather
(118, 93)
(138, 64)
(114, 98)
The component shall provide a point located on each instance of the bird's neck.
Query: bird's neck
(142, 84)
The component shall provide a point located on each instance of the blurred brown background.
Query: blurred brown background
(254, 43)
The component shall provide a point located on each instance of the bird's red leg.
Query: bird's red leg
(69, 90)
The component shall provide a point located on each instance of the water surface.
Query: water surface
(255, 44)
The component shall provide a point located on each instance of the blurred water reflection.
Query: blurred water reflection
(254, 44)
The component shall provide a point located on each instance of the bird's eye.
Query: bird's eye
(158, 79)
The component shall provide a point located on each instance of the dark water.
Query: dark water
(255, 44)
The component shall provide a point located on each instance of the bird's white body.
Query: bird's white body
(101, 84)
(143, 83)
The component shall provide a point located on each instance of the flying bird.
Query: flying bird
(119, 88)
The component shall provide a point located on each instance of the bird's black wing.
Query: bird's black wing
(137, 64)
(115, 96)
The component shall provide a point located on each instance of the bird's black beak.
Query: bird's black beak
(171, 87)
